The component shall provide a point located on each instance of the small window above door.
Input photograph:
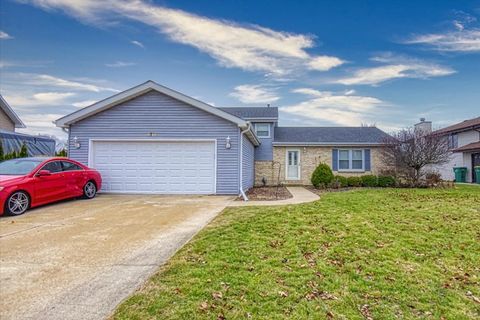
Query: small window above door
(262, 130)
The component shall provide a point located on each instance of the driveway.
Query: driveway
(78, 259)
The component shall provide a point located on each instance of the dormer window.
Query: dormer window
(262, 130)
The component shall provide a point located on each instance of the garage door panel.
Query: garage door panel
(156, 166)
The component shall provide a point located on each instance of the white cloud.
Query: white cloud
(460, 40)
(396, 67)
(120, 64)
(49, 81)
(5, 36)
(42, 124)
(83, 104)
(254, 94)
(248, 47)
(137, 43)
(347, 110)
(38, 99)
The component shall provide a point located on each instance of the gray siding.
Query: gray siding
(167, 118)
(265, 150)
(5, 122)
(248, 163)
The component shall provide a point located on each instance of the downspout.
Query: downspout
(242, 193)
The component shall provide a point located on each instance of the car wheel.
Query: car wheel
(17, 203)
(89, 190)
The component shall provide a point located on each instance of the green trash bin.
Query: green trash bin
(460, 174)
(477, 174)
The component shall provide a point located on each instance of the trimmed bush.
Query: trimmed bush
(322, 176)
(369, 181)
(354, 181)
(342, 181)
(386, 181)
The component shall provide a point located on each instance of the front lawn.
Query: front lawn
(372, 254)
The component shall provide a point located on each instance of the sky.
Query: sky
(323, 63)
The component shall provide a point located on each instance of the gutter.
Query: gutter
(242, 192)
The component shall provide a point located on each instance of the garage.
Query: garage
(166, 167)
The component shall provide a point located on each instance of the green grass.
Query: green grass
(379, 253)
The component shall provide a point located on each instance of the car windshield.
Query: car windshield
(18, 166)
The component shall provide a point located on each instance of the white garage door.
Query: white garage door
(155, 166)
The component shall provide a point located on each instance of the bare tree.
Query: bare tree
(409, 151)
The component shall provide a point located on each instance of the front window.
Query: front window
(18, 167)
(350, 160)
(262, 130)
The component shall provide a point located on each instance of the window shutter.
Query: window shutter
(367, 160)
(335, 159)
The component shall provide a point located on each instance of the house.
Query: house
(8, 118)
(152, 139)
(464, 142)
(11, 141)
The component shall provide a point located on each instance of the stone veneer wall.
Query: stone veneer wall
(310, 157)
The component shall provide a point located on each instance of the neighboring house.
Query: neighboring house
(151, 139)
(8, 118)
(464, 141)
(13, 141)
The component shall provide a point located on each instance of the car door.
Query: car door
(51, 187)
(74, 177)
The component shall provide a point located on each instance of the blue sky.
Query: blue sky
(324, 63)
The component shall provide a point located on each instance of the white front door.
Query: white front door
(293, 165)
(164, 167)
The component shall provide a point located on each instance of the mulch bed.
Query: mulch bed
(268, 194)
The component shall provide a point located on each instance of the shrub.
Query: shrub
(354, 181)
(369, 181)
(386, 181)
(433, 178)
(342, 181)
(322, 176)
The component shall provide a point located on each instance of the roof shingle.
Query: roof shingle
(462, 126)
(329, 135)
(253, 112)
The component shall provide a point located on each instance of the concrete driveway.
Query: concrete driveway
(78, 259)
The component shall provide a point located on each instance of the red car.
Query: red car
(30, 182)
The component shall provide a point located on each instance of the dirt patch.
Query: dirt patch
(268, 194)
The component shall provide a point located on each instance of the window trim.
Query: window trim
(350, 160)
(269, 129)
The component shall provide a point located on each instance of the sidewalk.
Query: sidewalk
(300, 195)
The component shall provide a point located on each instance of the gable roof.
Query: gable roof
(253, 113)
(134, 92)
(466, 125)
(10, 113)
(328, 136)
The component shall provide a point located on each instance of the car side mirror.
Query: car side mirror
(44, 173)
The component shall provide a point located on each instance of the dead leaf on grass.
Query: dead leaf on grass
(283, 294)
(203, 306)
(329, 315)
(471, 296)
(217, 295)
(365, 311)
